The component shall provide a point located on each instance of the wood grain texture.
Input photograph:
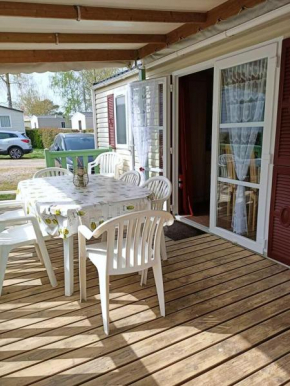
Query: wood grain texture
(65, 38)
(58, 11)
(225, 306)
(216, 15)
(45, 56)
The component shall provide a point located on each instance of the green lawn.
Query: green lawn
(36, 154)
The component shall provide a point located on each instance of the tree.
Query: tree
(8, 80)
(32, 104)
(74, 87)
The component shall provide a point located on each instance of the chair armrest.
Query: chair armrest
(11, 204)
(15, 220)
(85, 231)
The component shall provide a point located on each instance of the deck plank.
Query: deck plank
(224, 305)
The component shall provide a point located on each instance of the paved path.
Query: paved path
(22, 163)
(13, 171)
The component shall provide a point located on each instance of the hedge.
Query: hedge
(35, 137)
(43, 138)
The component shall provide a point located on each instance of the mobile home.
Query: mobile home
(213, 116)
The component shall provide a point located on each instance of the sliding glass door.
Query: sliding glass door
(241, 142)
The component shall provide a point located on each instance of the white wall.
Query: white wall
(75, 121)
(16, 119)
(103, 127)
(86, 122)
(34, 122)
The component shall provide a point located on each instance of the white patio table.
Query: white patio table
(60, 208)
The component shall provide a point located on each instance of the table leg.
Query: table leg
(68, 251)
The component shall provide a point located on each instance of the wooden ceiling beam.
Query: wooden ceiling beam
(45, 56)
(62, 38)
(216, 15)
(59, 11)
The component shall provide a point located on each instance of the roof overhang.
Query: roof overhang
(38, 37)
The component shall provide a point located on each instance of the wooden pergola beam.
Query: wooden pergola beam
(216, 15)
(59, 11)
(45, 56)
(62, 38)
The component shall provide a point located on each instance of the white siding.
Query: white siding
(103, 128)
(16, 119)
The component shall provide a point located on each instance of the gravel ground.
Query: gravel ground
(13, 171)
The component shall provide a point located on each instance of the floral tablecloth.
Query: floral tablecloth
(60, 207)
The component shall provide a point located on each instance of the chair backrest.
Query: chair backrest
(107, 163)
(132, 177)
(52, 172)
(140, 247)
(161, 189)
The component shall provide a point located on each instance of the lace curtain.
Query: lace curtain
(144, 114)
(243, 100)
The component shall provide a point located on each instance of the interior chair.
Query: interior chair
(52, 172)
(136, 249)
(161, 189)
(132, 177)
(108, 164)
(15, 236)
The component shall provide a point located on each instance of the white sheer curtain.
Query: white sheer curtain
(243, 100)
(144, 111)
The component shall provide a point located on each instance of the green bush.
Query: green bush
(36, 138)
(43, 138)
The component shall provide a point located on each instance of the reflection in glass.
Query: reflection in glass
(239, 158)
(243, 93)
(228, 207)
(121, 120)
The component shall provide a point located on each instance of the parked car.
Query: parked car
(73, 141)
(14, 144)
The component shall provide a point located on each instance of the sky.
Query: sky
(43, 85)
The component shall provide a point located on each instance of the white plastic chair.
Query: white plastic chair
(132, 177)
(138, 250)
(19, 235)
(52, 172)
(161, 189)
(108, 163)
(19, 212)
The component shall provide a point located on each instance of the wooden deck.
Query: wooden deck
(228, 322)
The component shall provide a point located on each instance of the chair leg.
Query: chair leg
(163, 247)
(104, 295)
(83, 277)
(4, 253)
(157, 271)
(144, 275)
(38, 253)
(46, 262)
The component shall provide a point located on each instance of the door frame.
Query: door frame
(270, 116)
(166, 123)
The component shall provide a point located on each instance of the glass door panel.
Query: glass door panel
(241, 128)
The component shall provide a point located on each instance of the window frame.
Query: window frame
(122, 91)
(10, 121)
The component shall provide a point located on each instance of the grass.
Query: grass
(7, 197)
(36, 154)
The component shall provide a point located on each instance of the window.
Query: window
(7, 135)
(121, 125)
(62, 125)
(5, 121)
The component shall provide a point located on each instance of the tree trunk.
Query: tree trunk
(8, 85)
